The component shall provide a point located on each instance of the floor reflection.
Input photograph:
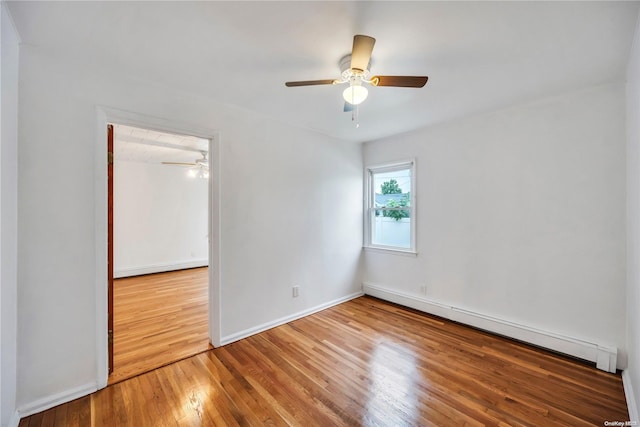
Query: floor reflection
(392, 399)
(194, 403)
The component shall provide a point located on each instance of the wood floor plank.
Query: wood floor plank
(362, 363)
(159, 319)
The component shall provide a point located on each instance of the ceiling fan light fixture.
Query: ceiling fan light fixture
(355, 70)
(198, 172)
(355, 94)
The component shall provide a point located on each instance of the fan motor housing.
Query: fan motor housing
(345, 68)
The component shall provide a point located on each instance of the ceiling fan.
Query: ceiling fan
(199, 168)
(355, 71)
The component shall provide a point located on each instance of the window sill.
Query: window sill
(392, 251)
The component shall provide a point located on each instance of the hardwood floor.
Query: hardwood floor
(158, 319)
(362, 363)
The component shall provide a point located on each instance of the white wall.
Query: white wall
(160, 219)
(520, 215)
(8, 214)
(632, 375)
(273, 178)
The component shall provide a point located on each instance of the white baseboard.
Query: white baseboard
(630, 396)
(55, 400)
(281, 321)
(159, 268)
(605, 356)
(69, 395)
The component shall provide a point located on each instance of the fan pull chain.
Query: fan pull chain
(354, 116)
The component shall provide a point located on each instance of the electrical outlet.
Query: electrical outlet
(423, 289)
(296, 291)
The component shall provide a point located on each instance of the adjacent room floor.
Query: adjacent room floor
(362, 363)
(158, 319)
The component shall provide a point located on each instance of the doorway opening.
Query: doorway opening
(158, 249)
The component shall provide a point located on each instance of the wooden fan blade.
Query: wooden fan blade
(399, 81)
(361, 51)
(309, 83)
(348, 107)
(178, 163)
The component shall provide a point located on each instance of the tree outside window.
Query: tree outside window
(392, 187)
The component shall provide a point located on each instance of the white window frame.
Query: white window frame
(369, 205)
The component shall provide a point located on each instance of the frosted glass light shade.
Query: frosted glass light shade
(355, 94)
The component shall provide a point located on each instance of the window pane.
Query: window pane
(391, 228)
(392, 189)
(390, 222)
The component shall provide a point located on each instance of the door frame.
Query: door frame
(105, 116)
(110, 178)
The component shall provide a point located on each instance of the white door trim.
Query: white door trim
(107, 115)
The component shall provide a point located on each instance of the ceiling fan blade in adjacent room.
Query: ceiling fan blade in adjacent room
(310, 83)
(361, 52)
(179, 163)
(399, 81)
(348, 107)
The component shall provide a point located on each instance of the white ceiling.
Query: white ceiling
(478, 55)
(149, 146)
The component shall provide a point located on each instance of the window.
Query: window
(390, 210)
